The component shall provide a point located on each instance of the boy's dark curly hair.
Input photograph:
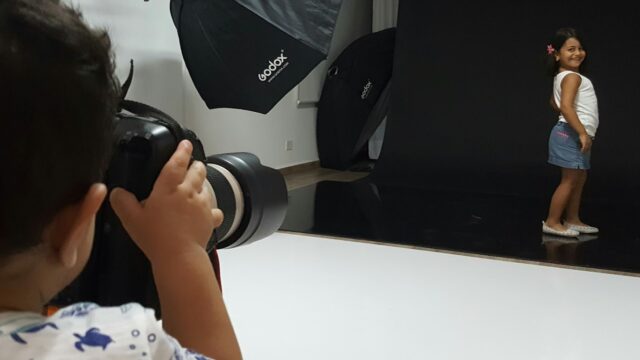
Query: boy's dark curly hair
(57, 106)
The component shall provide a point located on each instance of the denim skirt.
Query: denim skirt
(564, 148)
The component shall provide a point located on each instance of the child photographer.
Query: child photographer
(59, 99)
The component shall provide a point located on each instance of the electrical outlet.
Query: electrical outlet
(288, 145)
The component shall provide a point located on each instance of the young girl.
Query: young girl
(571, 138)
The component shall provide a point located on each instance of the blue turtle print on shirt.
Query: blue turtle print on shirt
(196, 355)
(92, 338)
(30, 329)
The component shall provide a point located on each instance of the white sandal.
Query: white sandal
(568, 233)
(583, 229)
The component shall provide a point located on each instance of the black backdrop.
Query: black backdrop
(470, 104)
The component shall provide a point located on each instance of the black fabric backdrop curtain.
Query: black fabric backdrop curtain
(470, 99)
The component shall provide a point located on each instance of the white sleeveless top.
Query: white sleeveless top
(586, 103)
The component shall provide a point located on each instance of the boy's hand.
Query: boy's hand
(177, 218)
(172, 228)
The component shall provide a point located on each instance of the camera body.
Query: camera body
(252, 197)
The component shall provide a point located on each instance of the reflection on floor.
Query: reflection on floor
(480, 224)
(312, 173)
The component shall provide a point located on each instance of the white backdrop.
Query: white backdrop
(300, 297)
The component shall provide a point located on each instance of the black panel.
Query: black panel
(464, 163)
(470, 99)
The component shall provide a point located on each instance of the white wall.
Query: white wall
(230, 130)
(145, 32)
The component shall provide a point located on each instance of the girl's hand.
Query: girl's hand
(586, 142)
(177, 218)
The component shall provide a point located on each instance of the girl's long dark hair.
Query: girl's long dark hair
(561, 36)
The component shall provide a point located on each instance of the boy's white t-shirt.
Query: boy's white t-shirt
(88, 331)
(586, 102)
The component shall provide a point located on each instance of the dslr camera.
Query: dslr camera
(252, 197)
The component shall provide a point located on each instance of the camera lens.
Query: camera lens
(252, 197)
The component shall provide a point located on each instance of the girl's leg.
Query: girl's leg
(560, 198)
(572, 212)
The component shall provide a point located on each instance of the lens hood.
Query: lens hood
(264, 193)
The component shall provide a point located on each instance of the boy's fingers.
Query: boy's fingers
(218, 217)
(175, 169)
(195, 176)
(207, 192)
(125, 205)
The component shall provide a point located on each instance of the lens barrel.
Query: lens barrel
(252, 197)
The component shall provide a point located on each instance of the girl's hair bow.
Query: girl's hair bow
(550, 49)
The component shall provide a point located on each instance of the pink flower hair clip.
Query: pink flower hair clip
(550, 49)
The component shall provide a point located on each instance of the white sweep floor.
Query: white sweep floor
(300, 297)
